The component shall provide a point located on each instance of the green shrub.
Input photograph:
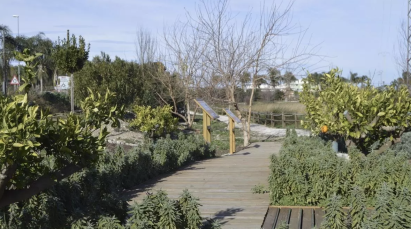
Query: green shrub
(308, 172)
(154, 121)
(361, 115)
(391, 211)
(91, 198)
(158, 211)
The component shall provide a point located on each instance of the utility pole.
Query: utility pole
(18, 34)
(4, 65)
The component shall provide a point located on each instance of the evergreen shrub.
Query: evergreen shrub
(93, 198)
(375, 189)
(308, 172)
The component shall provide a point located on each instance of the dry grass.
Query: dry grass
(278, 107)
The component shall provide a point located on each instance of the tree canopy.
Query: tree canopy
(38, 150)
(70, 56)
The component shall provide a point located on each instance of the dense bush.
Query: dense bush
(53, 102)
(308, 172)
(360, 115)
(93, 196)
(133, 83)
(154, 121)
(392, 210)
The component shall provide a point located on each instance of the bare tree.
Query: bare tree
(235, 46)
(400, 52)
(146, 47)
(185, 58)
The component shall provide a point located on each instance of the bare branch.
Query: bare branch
(43, 183)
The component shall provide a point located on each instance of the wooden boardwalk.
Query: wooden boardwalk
(296, 217)
(223, 186)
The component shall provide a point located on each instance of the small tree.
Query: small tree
(70, 57)
(236, 45)
(362, 116)
(36, 150)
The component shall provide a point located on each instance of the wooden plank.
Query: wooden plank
(319, 217)
(294, 218)
(307, 217)
(271, 218)
(223, 186)
(284, 216)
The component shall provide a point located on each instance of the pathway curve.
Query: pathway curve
(223, 186)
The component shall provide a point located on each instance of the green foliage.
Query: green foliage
(212, 224)
(119, 76)
(158, 211)
(70, 56)
(308, 172)
(29, 68)
(369, 111)
(133, 83)
(52, 102)
(334, 214)
(154, 121)
(404, 145)
(92, 197)
(391, 210)
(358, 208)
(259, 189)
(37, 150)
(284, 225)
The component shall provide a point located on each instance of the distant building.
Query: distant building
(294, 86)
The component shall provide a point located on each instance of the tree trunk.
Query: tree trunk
(6, 174)
(247, 133)
(189, 120)
(72, 92)
(43, 183)
(41, 77)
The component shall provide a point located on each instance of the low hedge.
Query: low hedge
(308, 173)
(95, 192)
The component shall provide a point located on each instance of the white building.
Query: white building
(295, 86)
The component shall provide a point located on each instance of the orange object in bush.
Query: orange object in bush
(324, 129)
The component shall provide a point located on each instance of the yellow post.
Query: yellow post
(208, 114)
(232, 135)
(206, 124)
(208, 128)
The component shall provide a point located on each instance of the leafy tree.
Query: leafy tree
(275, 77)
(119, 76)
(37, 151)
(317, 77)
(288, 78)
(70, 57)
(362, 116)
(354, 79)
(10, 45)
(46, 65)
(403, 80)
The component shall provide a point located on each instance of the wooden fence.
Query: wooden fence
(282, 120)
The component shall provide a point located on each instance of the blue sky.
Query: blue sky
(356, 36)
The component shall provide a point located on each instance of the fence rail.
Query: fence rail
(282, 120)
(279, 120)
